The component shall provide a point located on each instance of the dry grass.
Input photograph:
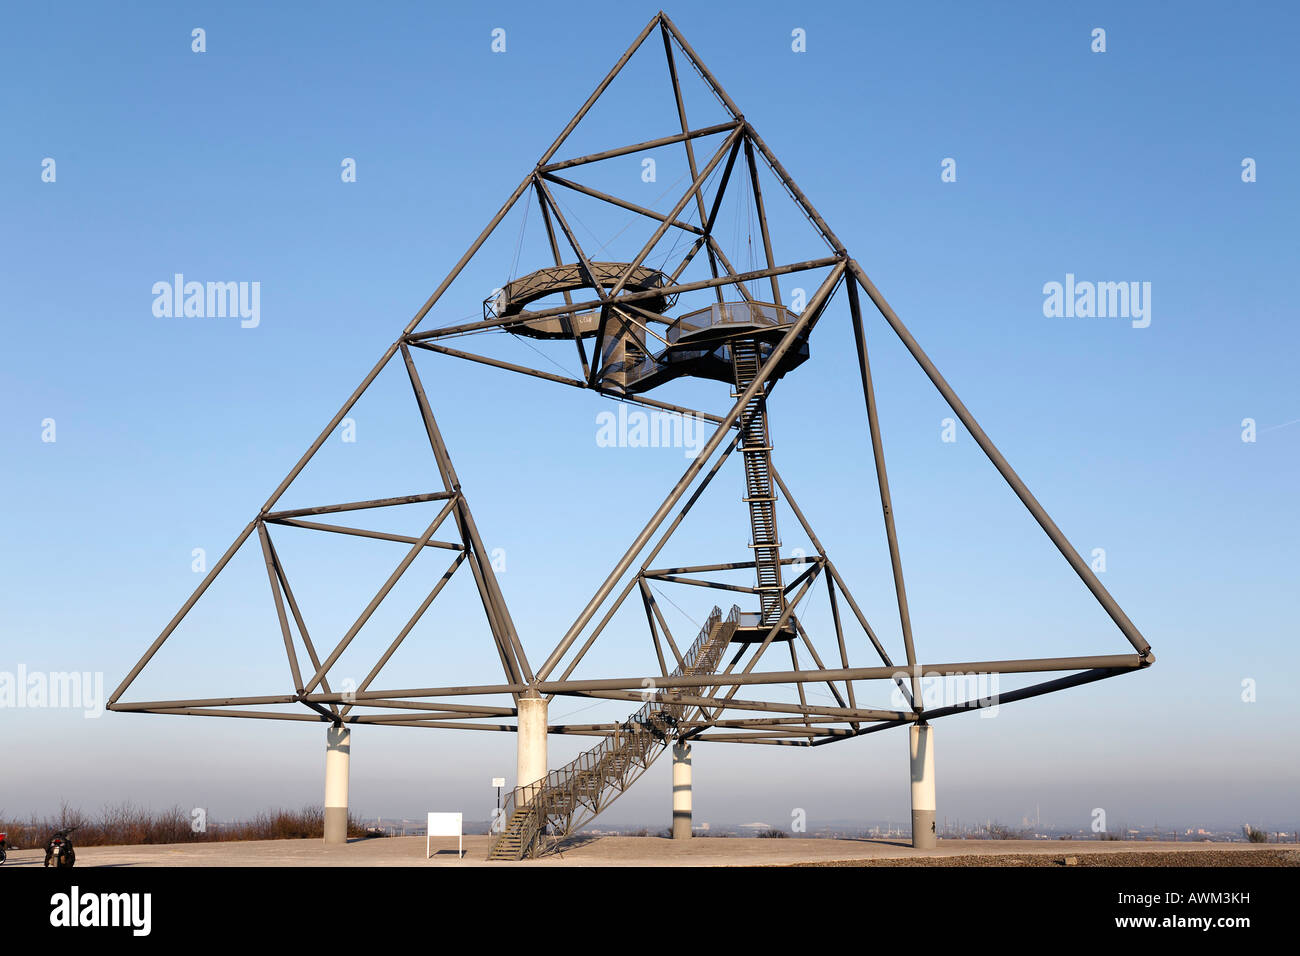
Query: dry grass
(127, 825)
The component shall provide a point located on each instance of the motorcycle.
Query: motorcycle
(4, 847)
(59, 851)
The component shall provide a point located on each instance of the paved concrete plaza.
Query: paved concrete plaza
(628, 851)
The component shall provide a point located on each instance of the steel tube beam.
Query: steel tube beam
(882, 482)
(696, 582)
(653, 605)
(375, 601)
(1023, 693)
(759, 706)
(659, 232)
(762, 217)
(180, 615)
(279, 607)
(1044, 520)
(356, 506)
(621, 203)
(562, 380)
(730, 566)
(555, 254)
(364, 533)
(1113, 662)
(301, 624)
(638, 147)
(595, 95)
(410, 624)
(512, 649)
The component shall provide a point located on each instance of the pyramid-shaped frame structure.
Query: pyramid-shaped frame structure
(622, 324)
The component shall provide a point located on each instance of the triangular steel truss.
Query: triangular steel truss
(629, 298)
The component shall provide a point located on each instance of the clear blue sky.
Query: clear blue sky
(171, 432)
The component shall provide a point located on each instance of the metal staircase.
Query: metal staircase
(537, 816)
(746, 359)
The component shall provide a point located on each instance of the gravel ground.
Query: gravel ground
(1216, 858)
(655, 851)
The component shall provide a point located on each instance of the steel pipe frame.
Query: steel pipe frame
(730, 125)
(514, 660)
(654, 552)
(384, 590)
(555, 254)
(369, 378)
(547, 199)
(762, 216)
(419, 316)
(298, 620)
(356, 506)
(809, 577)
(654, 630)
(1099, 667)
(1108, 667)
(448, 722)
(1080, 567)
(839, 714)
(587, 270)
(363, 533)
(834, 575)
(1021, 693)
(990, 450)
(729, 566)
(320, 440)
(410, 624)
(882, 482)
(621, 203)
(667, 575)
(810, 314)
(563, 380)
(665, 224)
(652, 609)
(690, 154)
(803, 633)
(696, 582)
(731, 141)
(279, 608)
(638, 683)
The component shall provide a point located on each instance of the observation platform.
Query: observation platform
(635, 357)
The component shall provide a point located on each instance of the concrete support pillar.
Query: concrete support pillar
(681, 791)
(338, 751)
(532, 741)
(921, 745)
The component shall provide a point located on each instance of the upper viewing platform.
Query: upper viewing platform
(633, 356)
(726, 319)
(512, 298)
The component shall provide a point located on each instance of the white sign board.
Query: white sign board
(498, 781)
(444, 824)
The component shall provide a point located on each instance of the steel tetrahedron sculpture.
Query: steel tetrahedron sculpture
(681, 305)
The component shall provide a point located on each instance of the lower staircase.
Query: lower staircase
(537, 816)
